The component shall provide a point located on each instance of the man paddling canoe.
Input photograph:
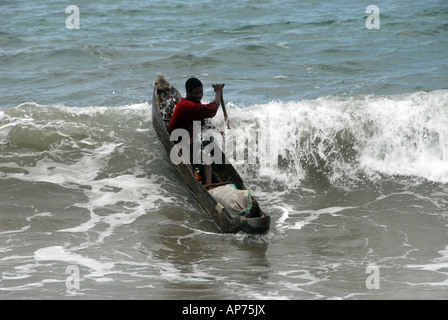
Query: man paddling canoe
(191, 109)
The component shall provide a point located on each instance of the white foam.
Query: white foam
(6, 129)
(85, 172)
(66, 174)
(308, 217)
(172, 274)
(59, 253)
(394, 135)
(439, 265)
(141, 192)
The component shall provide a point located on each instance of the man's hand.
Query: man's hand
(218, 89)
(218, 86)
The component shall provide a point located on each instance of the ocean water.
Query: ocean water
(355, 176)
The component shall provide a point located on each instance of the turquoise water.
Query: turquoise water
(290, 50)
(356, 177)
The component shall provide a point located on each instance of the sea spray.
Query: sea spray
(334, 140)
(343, 140)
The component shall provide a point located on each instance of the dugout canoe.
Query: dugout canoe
(254, 221)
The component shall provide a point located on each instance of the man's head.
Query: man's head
(194, 90)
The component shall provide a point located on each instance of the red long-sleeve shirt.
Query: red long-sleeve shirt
(188, 111)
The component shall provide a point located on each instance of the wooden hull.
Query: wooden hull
(164, 100)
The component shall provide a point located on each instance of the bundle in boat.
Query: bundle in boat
(237, 202)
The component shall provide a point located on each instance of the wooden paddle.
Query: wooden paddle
(226, 117)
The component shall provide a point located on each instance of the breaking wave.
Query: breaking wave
(344, 140)
(330, 139)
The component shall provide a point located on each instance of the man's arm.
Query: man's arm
(218, 89)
